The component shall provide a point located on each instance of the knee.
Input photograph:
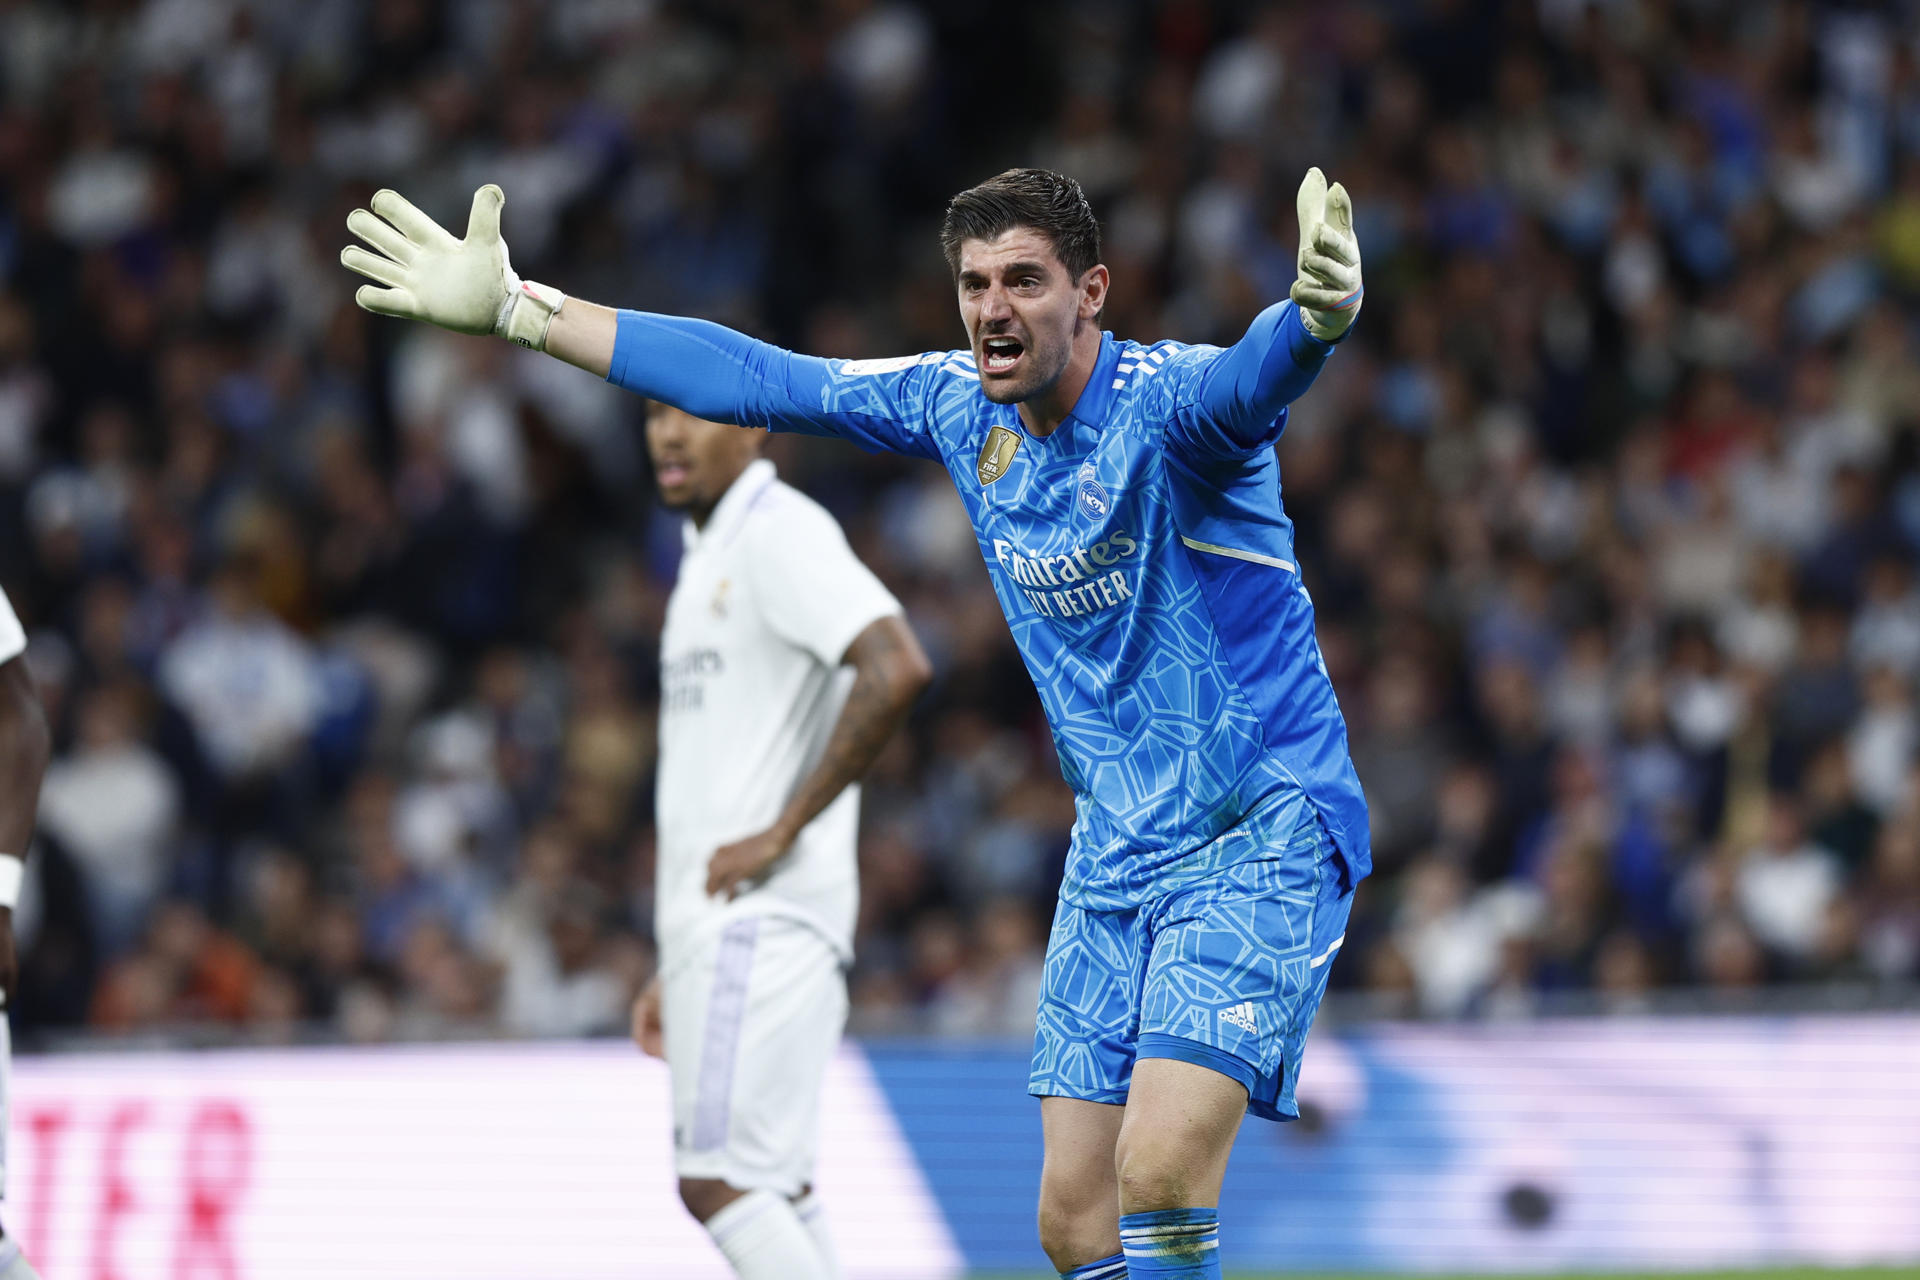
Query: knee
(1151, 1176)
(705, 1197)
(1077, 1225)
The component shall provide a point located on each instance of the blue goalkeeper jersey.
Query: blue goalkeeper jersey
(1142, 557)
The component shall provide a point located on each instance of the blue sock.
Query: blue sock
(1114, 1268)
(1176, 1244)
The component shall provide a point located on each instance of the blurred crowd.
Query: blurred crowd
(347, 628)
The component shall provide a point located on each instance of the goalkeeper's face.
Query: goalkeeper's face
(1022, 311)
(696, 461)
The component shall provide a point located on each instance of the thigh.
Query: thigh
(1179, 1129)
(1089, 1015)
(1239, 966)
(750, 1030)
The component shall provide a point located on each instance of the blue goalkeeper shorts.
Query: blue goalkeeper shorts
(1226, 973)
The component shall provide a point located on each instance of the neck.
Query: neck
(702, 512)
(1046, 411)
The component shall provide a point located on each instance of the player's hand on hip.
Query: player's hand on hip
(647, 1032)
(1327, 288)
(735, 864)
(424, 273)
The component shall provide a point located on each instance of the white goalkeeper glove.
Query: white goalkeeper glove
(467, 286)
(1327, 289)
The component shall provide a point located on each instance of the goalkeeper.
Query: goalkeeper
(1127, 503)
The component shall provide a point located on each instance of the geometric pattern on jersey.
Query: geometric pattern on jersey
(1146, 569)
(1236, 964)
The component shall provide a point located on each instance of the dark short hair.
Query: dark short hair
(1051, 203)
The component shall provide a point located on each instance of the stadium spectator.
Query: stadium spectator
(114, 805)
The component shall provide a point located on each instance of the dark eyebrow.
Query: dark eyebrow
(1011, 269)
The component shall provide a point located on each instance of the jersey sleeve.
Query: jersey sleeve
(1232, 402)
(13, 637)
(716, 373)
(811, 588)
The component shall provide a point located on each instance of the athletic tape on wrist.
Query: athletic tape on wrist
(12, 871)
(528, 314)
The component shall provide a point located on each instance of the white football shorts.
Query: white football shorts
(751, 1021)
(6, 1095)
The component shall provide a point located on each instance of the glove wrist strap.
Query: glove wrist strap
(528, 312)
(12, 871)
(1329, 326)
(1320, 329)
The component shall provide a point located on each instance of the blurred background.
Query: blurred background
(347, 628)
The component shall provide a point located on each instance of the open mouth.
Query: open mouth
(999, 354)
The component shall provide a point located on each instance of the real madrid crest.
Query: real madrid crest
(1093, 496)
(996, 455)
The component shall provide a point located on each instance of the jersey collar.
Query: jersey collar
(1097, 396)
(731, 510)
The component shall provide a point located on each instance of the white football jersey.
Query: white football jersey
(13, 643)
(751, 684)
(13, 638)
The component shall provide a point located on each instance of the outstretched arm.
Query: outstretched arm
(1239, 399)
(421, 272)
(1243, 393)
(890, 670)
(706, 369)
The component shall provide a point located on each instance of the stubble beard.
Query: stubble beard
(1027, 388)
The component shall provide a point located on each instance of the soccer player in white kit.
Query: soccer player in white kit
(785, 666)
(24, 748)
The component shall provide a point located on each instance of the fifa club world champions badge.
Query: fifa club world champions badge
(997, 454)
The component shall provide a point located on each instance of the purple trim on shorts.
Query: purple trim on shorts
(726, 1010)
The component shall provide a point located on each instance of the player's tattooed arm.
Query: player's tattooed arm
(890, 669)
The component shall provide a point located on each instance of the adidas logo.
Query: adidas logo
(1241, 1016)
